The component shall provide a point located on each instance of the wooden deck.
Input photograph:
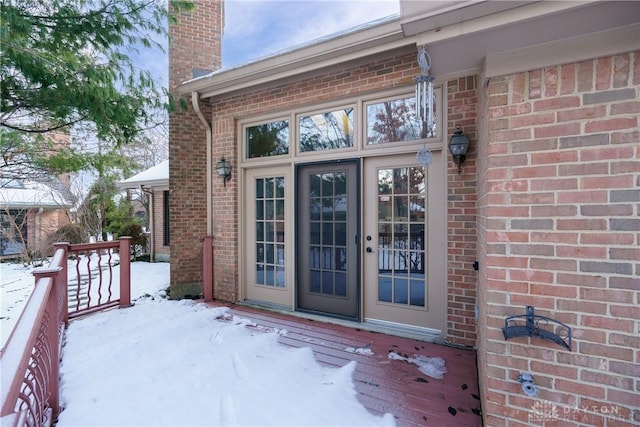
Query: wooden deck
(385, 385)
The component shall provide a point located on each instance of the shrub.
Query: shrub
(71, 233)
(138, 239)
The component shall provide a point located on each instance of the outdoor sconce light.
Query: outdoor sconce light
(224, 170)
(458, 146)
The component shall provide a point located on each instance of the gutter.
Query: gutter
(207, 241)
(350, 46)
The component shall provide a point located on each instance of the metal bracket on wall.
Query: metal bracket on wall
(533, 325)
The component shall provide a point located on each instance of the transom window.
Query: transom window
(389, 119)
(267, 139)
(395, 120)
(326, 131)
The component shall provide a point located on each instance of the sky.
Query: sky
(255, 29)
(164, 362)
(258, 28)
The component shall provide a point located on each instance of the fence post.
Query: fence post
(63, 280)
(52, 330)
(125, 272)
(207, 268)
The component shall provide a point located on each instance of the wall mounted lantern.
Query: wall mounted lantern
(224, 170)
(458, 147)
(424, 94)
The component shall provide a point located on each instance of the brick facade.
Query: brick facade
(462, 104)
(359, 78)
(547, 202)
(162, 251)
(41, 227)
(559, 229)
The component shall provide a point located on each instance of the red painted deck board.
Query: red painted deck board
(385, 385)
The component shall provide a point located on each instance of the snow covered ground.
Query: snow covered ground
(165, 362)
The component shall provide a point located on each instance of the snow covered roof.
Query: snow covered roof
(30, 194)
(155, 176)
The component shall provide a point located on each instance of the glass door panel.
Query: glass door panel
(327, 256)
(404, 262)
(267, 237)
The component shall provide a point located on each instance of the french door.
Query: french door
(327, 258)
(404, 245)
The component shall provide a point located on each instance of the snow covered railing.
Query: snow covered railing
(94, 283)
(31, 357)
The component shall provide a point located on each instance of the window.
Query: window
(165, 240)
(269, 228)
(268, 139)
(394, 121)
(326, 131)
(13, 231)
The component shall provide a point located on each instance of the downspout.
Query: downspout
(195, 100)
(152, 224)
(207, 243)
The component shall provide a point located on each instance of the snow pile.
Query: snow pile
(181, 363)
(176, 363)
(431, 366)
(364, 350)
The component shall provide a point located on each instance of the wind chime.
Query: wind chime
(424, 104)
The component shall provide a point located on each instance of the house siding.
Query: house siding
(559, 229)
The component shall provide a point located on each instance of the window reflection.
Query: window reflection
(268, 139)
(401, 236)
(327, 233)
(269, 225)
(326, 131)
(395, 121)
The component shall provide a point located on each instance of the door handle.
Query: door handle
(369, 249)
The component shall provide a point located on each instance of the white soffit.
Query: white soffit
(417, 16)
(575, 49)
(464, 46)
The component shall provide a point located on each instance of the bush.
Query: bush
(138, 239)
(70, 233)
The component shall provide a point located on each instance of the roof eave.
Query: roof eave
(29, 205)
(132, 185)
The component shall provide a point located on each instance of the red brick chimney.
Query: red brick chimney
(196, 42)
(195, 49)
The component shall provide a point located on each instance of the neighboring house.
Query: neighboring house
(155, 183)
(328, 212)
(31, 212)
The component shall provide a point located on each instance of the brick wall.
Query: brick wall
(40, 231)
(349, 81)
(461, 222)
(162, 252)
(559, 229)
(196, 43)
